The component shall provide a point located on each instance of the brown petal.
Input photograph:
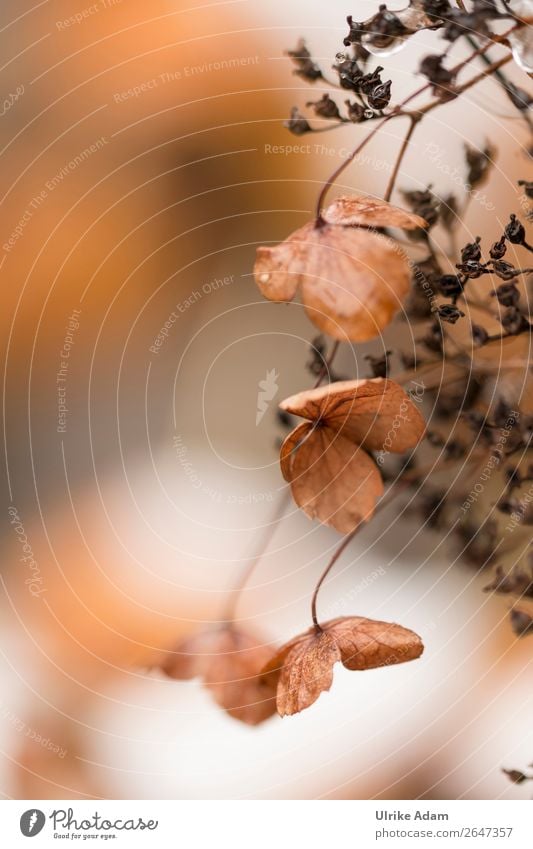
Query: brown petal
(276, 272)
(302, 670)
(286, 454)
(376, 413)
(370, 212)
(368, 643)
(229, 661)
(334, 480)
(353, 281)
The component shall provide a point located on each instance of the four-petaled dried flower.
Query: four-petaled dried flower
(303, 668)
(352, 280)
(229, 661)
(333, 477)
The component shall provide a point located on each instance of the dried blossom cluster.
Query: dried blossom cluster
(469, 313)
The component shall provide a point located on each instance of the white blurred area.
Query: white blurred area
(142, 523)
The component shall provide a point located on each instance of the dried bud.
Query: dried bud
(513, 322)
(504, 270)
(507, 295)
(297, 123)
(450, 285)
(379, 365)
(498, 249)
(305, 66)
(325, 107)
(449, 313)
(356, 112)
(479, 335)
(441, 78)
(380, 96)
(515, 231)
(479, 164)
(521, 622)
(472, 251)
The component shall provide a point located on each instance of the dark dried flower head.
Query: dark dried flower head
(498, 249)
(297, 123)
(521, 622)
(326, 460)
(325, 107)
(516, 776)
(513, 322)
(480, 336)
(450, 285)
(449, 313)
(479, 163)
(305, 66)
(507, 295)
(228, 660)
(515, 232)
(379, 364)
(472, 251)
(352, 281)
(303, 668)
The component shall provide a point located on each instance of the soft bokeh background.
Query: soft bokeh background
(142, 512)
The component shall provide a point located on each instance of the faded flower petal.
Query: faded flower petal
(302, 670)
(276, 272)
(363, 211)
(368, 643)
(333, 480)
(229, 661)
(352, 281)
(289, 445)
(376, 412)
(303, 667)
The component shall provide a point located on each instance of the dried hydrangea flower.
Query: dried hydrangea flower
(333, 477)
(352, 281)
(228, 660)
(302, 669)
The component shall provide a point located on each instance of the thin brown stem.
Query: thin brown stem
(391, 493)
(264, 542)
(326, 368)
(272, 527)
(413, 121)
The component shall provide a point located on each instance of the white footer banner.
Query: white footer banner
(264, 824)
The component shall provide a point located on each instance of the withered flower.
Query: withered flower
(352, 280)
(228, 660)
(326, 460)
(303, 668)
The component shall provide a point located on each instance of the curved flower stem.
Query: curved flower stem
(327, 365)
(266, 538)
(414, 119)
(335, 556)
(391, 493)
(272, 527)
